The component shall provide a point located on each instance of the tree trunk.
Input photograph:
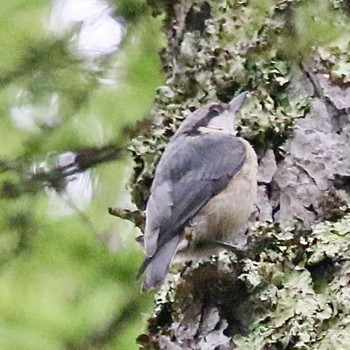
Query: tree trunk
(290, 287)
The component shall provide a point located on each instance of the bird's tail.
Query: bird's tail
(157, 266)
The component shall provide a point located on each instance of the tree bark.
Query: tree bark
(290, 287)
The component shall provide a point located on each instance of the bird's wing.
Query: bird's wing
(191, 171)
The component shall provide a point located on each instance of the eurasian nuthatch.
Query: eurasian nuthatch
(203, 191)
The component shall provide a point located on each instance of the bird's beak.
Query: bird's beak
(237, 101)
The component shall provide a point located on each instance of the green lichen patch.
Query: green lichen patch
(294, 312)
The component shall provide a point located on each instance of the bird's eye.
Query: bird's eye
(215, 109)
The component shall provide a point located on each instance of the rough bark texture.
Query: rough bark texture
(290, 288)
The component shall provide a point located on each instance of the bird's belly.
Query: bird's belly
(224, 217)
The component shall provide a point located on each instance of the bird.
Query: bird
(203, 191)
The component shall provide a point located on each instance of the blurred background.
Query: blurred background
(73, 75)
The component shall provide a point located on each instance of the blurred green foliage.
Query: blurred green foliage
(68, 282)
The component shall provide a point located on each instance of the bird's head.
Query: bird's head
(213, 117)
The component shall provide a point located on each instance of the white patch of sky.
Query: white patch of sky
(100, 32)
(28, 116)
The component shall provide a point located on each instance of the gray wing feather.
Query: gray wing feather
(158, 212)
(191, 171)
(159, 265)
